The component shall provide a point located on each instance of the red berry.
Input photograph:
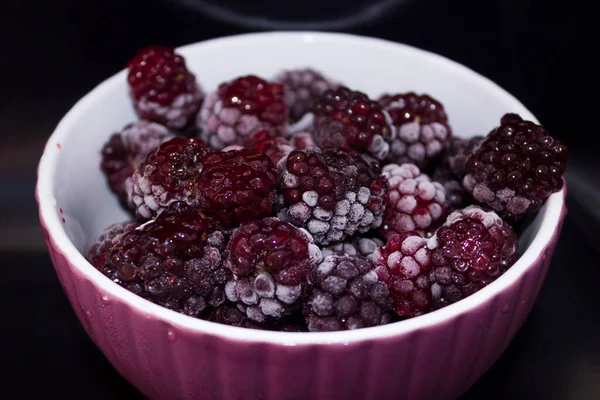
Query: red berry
(162, 87)
(237, 186)
(270, 260)
(174, 260)
(349, 119)
(125, 150)
(422, 130)
(166, 175)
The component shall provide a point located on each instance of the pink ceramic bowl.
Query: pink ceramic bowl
(171, 356)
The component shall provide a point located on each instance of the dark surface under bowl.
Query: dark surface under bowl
(54, 52)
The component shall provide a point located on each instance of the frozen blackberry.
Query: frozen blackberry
(333, 193)
(349, 119)
(240, 108)
(237, 186)
(422, 130)
(355, 247)
(516, 168)
(275, 147)
(413, 202)
(471, 250)
(404, 265)
(162, 87)
(302, 88)
(346, 294)
(174, 260)
(166, 175)
(125, 150)
(270, 260)
(107, 239)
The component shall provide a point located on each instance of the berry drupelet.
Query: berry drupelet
(333, 193)
(346, 294)
(162, 87)
(241, 108)
(422, 130)
(516, 168)
(357, 246)
(108, 238)
(302, 88)
(174, 260)
(237, 186)
(350, 120)
(125, 150)
(166, 175)
(270, 261)
(413, 202)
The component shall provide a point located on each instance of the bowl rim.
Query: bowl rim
(59, 241)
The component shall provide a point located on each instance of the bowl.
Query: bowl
(170, 355)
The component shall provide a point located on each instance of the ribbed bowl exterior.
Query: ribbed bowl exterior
(167, 362)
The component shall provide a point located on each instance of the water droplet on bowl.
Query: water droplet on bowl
(105, 299)
(171, 335)
(88, 313)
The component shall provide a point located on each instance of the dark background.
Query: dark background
(53, 52)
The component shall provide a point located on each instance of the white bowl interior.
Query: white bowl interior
(70, 178)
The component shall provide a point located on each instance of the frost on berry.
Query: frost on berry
(413, 203)
(167, 175)
(422, 130)
(239, 109)
(270, 260)
(332, 193)
(346, 294)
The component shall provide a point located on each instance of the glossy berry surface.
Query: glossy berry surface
(253, 95)
(237, 186)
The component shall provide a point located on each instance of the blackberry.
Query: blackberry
(270, 260)
(413, 202)
(333, 193)
(302, 88)
(422, 130)
(125, 150)
(471, 250)
(241, 108)
(237, 186)
(166, 175)
(162, 87)
(346, 294)
(100, 249)
(355, 247)
(174, 260)
(350, 120)
(404, 265)
(516, 168)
